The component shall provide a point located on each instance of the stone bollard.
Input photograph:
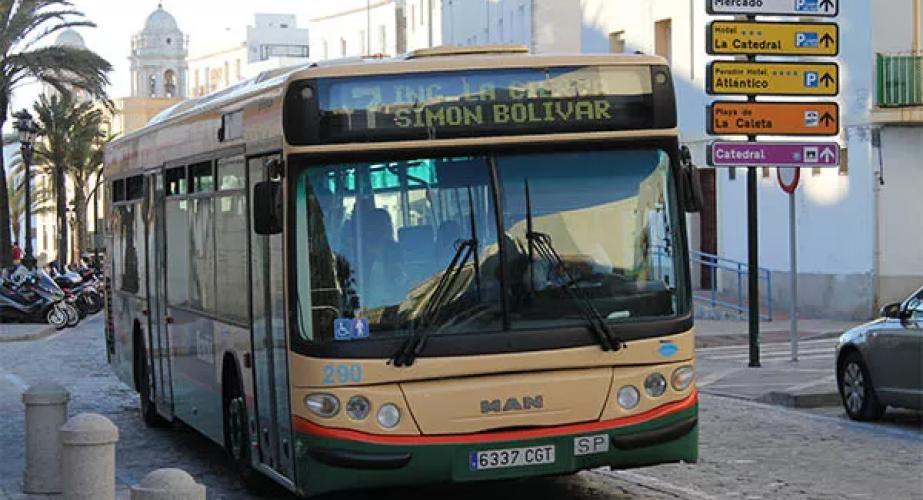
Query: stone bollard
(46, 411)
(168, 484)
(88, 457)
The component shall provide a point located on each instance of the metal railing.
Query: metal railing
(715, 264)
(899, 80)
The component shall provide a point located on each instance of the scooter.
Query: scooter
(35, 297)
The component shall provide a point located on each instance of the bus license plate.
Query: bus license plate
(512, 457)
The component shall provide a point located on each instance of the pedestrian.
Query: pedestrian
(17, 253)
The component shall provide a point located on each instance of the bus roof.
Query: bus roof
(437, 59)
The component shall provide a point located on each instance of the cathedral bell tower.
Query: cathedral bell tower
(158, 58)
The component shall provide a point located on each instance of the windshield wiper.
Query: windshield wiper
(465, 250)
(541, 243)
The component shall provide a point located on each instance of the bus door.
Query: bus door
(270, 352)
(159, 347)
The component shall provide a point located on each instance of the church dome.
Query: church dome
(160, 21)
(70, 38)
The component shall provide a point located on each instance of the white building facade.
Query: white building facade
(859, 246)
(542, 25)
(272, 41)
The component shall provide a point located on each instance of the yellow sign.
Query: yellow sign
(773, 39)
(770, 78)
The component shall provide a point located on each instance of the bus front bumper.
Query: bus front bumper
(326, 463)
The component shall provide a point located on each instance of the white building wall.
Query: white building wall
(836, 213)
(277, 34)
(542, 25)
(423, 20)
(348, 31)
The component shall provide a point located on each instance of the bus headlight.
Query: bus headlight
(358, 407)
(655, 385)
(682, 377)
(389, 416)
(322, 404)
(628, 397)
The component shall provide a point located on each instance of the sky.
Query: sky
(208, 23)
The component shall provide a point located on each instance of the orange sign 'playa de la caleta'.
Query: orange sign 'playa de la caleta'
(773, 118)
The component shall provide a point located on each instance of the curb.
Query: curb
(42, 332)
(741, 339)
(803, 400)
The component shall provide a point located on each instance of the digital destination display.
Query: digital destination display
(477, 103)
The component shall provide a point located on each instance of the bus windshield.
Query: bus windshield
(387, 247)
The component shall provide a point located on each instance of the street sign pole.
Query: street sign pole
(753, 240)
(788, 181)
(793, 258)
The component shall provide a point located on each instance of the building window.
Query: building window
(326, 55)
(663, 41)
(422, 9)
(765, 172)
(227, 74)
(362, 44)
(382, 39)
(617, 42)
(732, 173)
(342, 47)
(237, 69)
(169, 83)
(413, 18)
(152, 86)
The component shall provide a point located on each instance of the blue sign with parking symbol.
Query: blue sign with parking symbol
(807, 40)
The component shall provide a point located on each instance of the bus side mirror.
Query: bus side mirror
(267, 207)
(693, 199)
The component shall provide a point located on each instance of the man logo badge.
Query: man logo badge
(511, 404)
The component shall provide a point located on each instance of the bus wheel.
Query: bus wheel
(142, 369)
(237, 437)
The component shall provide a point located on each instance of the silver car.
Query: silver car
(880, 364)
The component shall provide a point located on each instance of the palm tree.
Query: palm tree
(69, 131)
(40, 199)
(85, 168)
(23, 24)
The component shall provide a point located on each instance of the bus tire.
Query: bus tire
(143, 384)
(237, 432)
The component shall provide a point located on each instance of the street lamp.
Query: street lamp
(27, 132)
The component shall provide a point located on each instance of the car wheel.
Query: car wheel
(856, 390)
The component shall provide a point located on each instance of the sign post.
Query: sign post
(753, 78)
(788, 179)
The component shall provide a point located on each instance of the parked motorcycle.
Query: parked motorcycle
(32, 296)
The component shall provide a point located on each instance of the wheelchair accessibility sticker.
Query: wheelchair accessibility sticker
(350, 329)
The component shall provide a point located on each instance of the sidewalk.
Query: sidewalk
(722, 362)
(715, 333)
(17, 332)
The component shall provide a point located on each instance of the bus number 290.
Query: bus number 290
(342, 374)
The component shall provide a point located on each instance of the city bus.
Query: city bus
(453, 265)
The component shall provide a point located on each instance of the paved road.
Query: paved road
(748, 450)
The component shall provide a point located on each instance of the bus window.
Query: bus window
(605, 214)
(231, 241)
(202, 264)
(379, 237)
(230, 173)
(176, 181)
(201, 177)
(177, 252)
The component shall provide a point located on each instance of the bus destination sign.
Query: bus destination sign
(491, 102)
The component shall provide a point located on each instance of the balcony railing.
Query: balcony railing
(900, 80)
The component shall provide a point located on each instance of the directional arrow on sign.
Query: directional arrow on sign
(827, 119)
(826, 39)
(827, 155)
(827, 80)
(827, 5)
